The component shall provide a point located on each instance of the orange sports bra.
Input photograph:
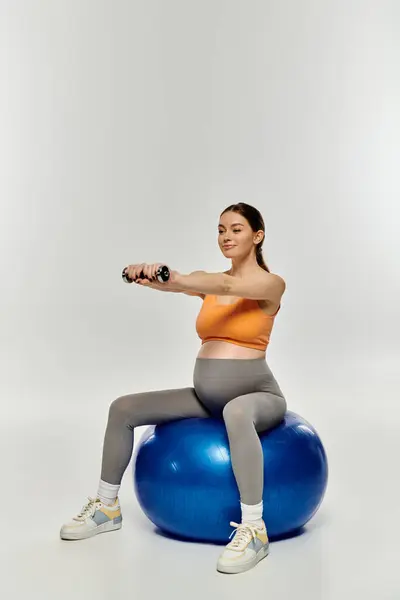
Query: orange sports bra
(243, 323)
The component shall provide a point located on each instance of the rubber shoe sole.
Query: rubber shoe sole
(242, 568)
(81, 535)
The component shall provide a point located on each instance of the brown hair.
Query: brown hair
(255, 221)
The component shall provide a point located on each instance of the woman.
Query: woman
(231, 379)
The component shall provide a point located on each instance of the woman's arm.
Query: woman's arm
(203, 282)
(258, 285)
(161, 287)
(199, 294)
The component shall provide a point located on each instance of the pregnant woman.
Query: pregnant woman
(231, 380)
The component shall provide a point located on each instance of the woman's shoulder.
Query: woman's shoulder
(278, 278)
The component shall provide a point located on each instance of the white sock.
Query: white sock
(107, 492)
(252, 513)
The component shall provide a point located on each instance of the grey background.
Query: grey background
(126, 128)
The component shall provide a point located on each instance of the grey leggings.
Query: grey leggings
(243, 392)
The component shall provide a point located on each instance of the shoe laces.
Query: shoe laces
(88, 509)
(244, 533)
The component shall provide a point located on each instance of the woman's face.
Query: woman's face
(235, 236)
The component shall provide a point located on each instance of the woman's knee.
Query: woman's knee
(120, 408)
(235, 413)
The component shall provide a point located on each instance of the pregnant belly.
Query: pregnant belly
(219, 349)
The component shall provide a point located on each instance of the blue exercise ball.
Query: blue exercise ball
(184, 482)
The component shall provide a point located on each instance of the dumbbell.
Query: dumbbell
(162, 275)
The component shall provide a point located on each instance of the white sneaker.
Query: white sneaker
(95, 517)
(248, 547)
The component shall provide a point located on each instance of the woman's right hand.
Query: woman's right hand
(149, 271)
(149, 279)
(133, 271)
(149, 274)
